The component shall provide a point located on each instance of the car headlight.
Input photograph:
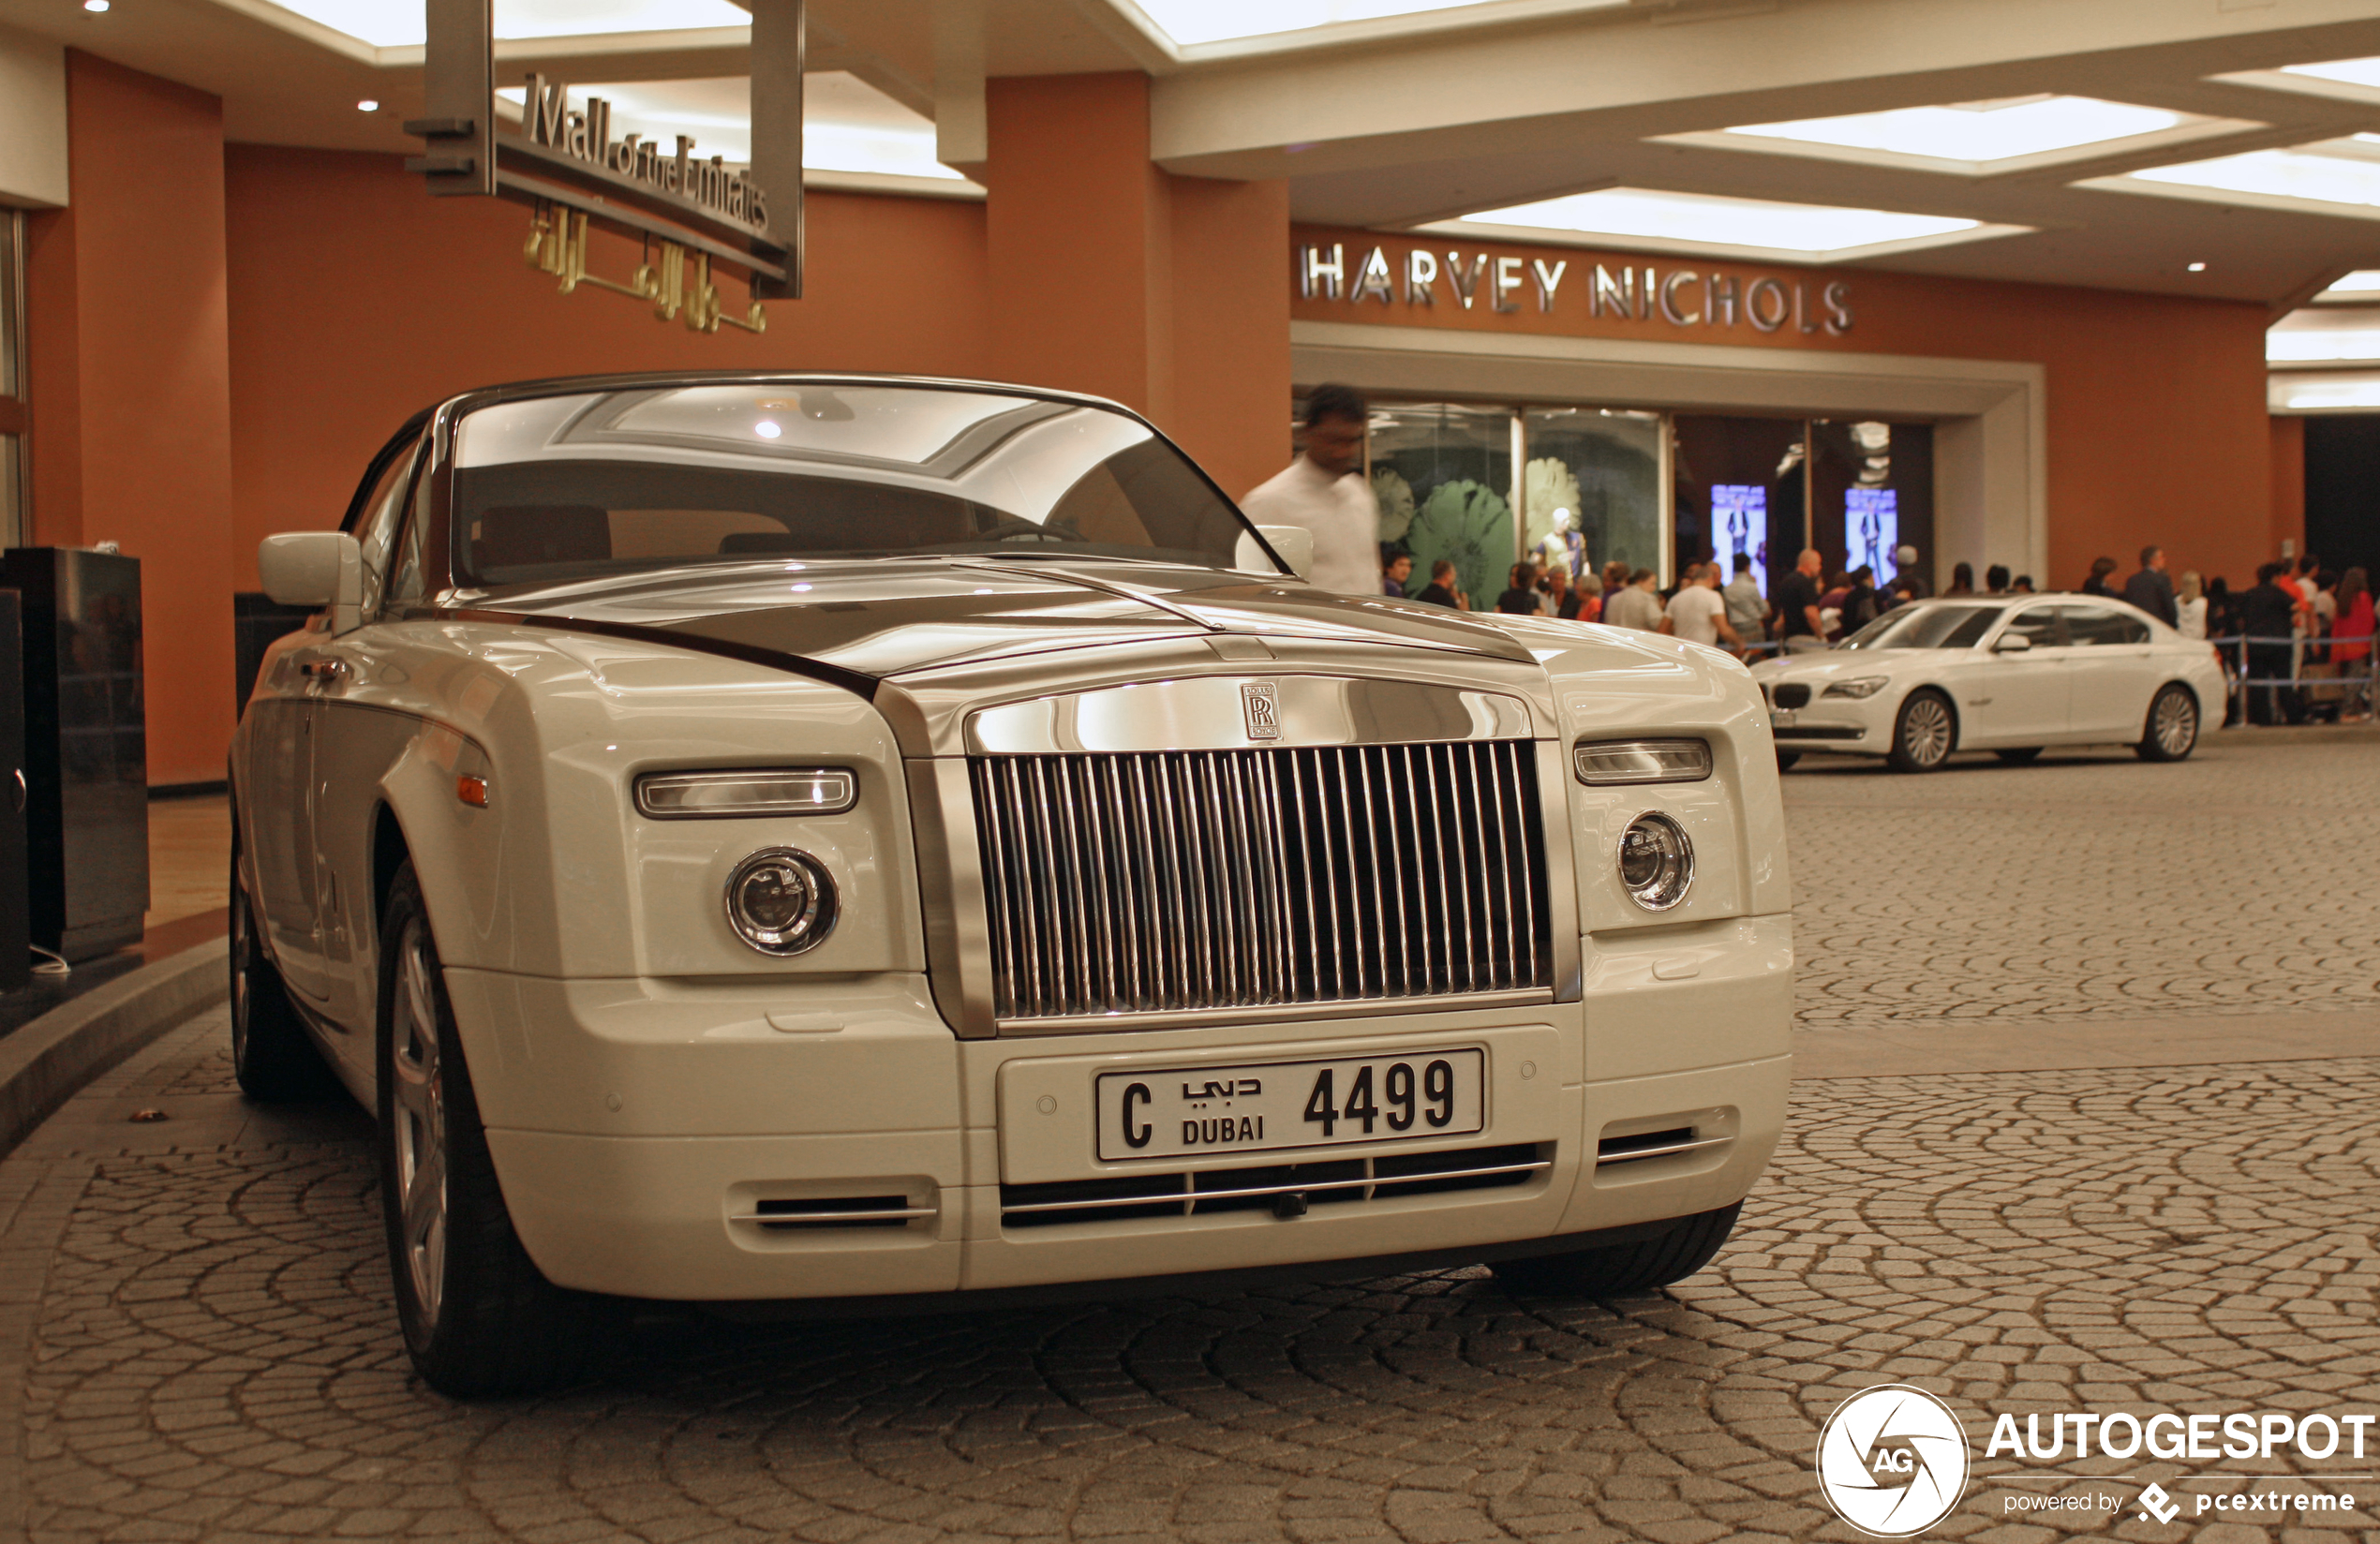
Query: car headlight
(1657, 862)
(1864, 686)
(781, 901)
(751, 791)
(1608, 764)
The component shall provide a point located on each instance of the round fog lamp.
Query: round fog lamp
(781, 902)
(1657, 862)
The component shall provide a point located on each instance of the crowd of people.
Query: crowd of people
(2301, 635)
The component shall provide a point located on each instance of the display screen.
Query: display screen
(1739, 523)
(1872, 531)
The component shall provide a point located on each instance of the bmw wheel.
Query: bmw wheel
(1924, 732)
(2172, 730)
(271, 1055)
(1621, 1270)
(479, 1317)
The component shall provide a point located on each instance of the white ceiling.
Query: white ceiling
(1393, 120)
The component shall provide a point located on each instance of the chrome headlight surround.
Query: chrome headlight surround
(1857, 689)
(1656, 861)
(782, 902)
(1616, 763)
(746, 791)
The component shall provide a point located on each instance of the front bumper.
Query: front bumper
(831, 1140)
(1851, 726)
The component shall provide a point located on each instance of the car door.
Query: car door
(2018, 696)
(2111, 672)
(278, 737)
(354, 743)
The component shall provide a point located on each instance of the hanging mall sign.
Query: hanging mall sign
(1424, 277)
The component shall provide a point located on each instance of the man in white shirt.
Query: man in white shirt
(1698, 613)
(1635, 605)
(1324, 492)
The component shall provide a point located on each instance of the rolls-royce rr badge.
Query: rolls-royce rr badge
(1261, 706)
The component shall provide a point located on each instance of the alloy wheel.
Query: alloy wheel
(2175, 723)
(1925, 728)
(419, 1117)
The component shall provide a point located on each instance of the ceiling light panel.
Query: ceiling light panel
(2351, 72)
(1189, 22)
(2338, 176)
(2323, 394)
(392, 24)
(2326, 336)
(1980, 132)
(2362, 284)
(1707, 223)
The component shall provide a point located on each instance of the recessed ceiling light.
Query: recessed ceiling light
(368, 105)
(1710, 223)
(1982, 132)
(95, 6)
(2197, 267)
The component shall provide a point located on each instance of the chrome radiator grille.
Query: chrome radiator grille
(1171, 881)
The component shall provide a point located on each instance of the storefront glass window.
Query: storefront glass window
(1443, 476)
(1872, 492)
(1595, 475)
(1739, 486)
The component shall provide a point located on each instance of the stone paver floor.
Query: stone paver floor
(215, 1360)
(196, 1342)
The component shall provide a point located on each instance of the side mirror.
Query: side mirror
(315, 569)
(1295, 543)
(2012, 643)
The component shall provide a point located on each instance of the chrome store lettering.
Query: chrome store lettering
(1681, 297)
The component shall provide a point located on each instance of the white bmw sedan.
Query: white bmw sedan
(2011, 674)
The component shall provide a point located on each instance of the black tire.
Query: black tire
(2019, 755)
(1785, 760)
(479, 1317)
(1924, 732)
(1625, 1269)
(2171, 733)
(272, 1058)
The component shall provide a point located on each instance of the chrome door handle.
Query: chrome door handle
(325, 669)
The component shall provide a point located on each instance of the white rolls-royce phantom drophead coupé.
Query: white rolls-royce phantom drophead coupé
(754, 838)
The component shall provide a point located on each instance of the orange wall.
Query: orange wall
(1116, 278)
(2288, 484)
(131, 385)
(357, 299)
(2156, 405)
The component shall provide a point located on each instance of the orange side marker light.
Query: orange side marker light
(471, 791)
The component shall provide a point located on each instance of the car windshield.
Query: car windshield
(576, 486)
(1926, 627)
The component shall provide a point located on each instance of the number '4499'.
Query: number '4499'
(1394, 1103)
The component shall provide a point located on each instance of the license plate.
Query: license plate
(1176, 1111)
(1780, 718)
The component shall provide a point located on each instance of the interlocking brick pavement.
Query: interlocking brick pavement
(215, 1358)
(195, 1320)
(2088, 884)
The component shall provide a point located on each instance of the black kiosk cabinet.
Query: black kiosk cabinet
(86, 764)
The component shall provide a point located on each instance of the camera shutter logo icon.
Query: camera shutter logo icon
(1892, 1461)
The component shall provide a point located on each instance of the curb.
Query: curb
(46, 1061)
